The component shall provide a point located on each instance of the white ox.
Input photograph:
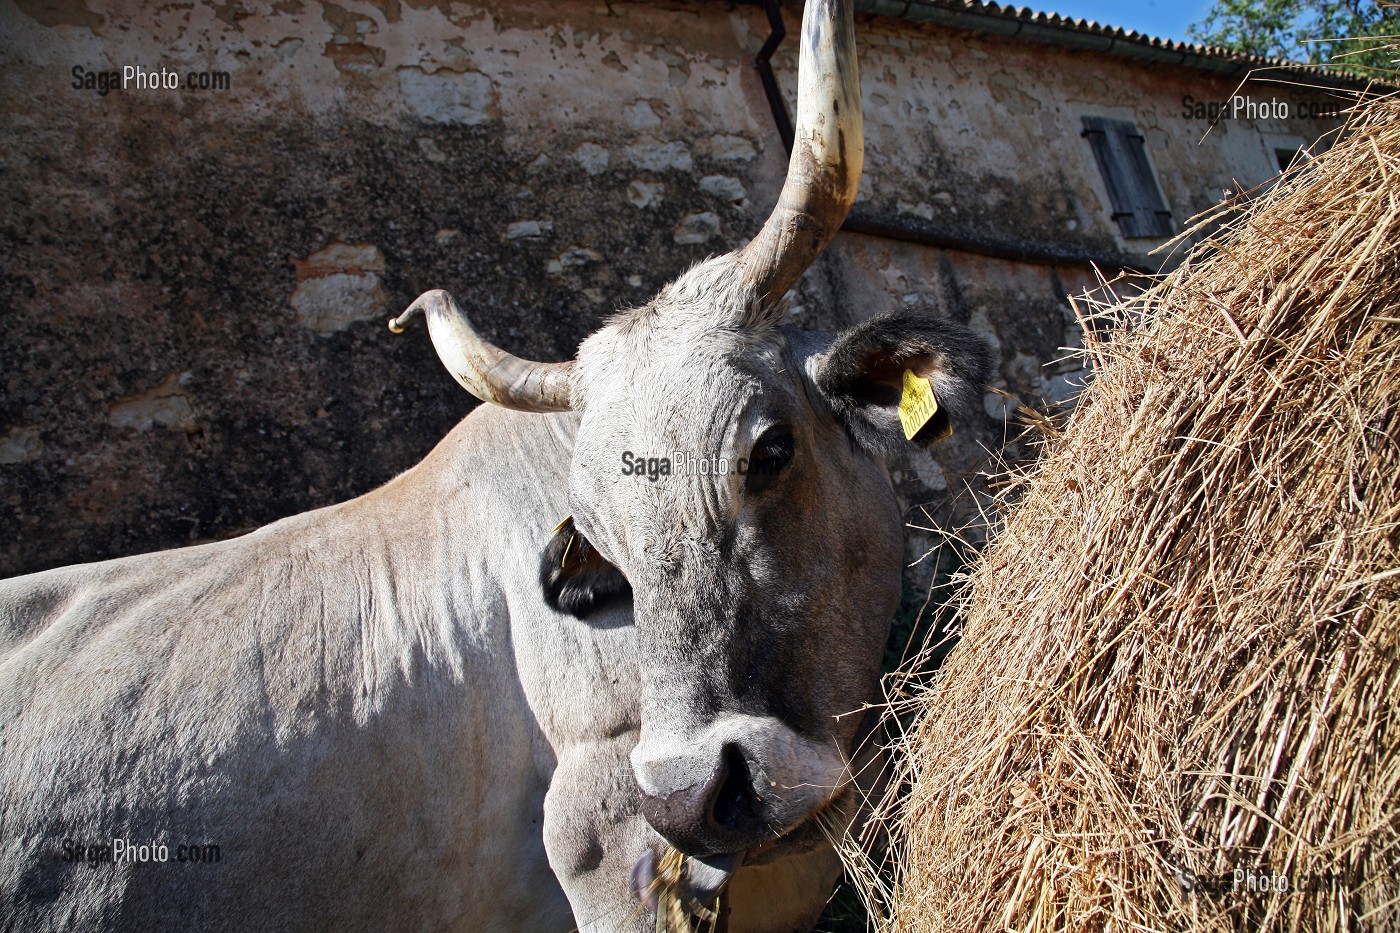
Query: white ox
(423, 710)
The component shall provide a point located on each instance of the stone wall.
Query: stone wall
(195, 281)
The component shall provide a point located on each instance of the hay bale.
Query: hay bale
(1179, 656)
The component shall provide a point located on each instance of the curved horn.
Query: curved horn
(827, 153)
(481, 367)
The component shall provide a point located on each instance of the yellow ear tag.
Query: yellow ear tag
(917, 407)
(564, 558)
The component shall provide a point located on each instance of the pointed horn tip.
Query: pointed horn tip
(397, 324)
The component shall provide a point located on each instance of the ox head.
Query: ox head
(731, 473)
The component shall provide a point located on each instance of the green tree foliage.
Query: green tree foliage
(1345, 33)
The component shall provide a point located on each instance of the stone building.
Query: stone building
(196, 278)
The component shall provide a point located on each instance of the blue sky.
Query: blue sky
(1165, 18)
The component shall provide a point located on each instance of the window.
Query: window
(1138, 206)
(1285, 150)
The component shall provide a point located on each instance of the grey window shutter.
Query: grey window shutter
(1138, 205)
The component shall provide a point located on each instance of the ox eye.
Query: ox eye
(770, 456)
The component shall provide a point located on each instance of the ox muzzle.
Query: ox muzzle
(740, 784)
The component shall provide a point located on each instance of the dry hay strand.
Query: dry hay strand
(1175, 700)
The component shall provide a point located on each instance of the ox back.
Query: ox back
(335, 701)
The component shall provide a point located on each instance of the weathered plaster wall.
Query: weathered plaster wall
(982, 135)
(194, 283)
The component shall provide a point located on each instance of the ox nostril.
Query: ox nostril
(716, 815)
(683, 816)
(736, 806)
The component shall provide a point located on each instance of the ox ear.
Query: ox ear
(866, 378)
(577, 579)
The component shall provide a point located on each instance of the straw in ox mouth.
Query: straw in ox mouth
(683, 889)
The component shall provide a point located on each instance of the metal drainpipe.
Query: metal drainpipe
(863, 221)
(777, 32)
